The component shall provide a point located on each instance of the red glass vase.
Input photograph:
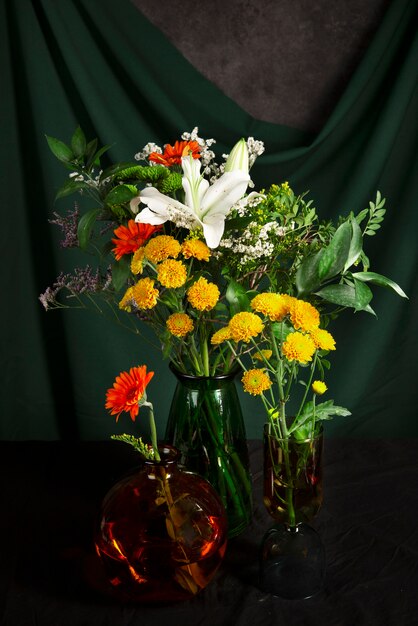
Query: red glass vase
(162, 533)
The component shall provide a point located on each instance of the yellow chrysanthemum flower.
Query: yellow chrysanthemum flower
(144, 295)
(322, 339)
(161, 248)
(221, 335)
(256, 381)
(273, 305)
(171, 273)
(319, 387)
(303, 315)
(245, 325)
(126, 303)
(195, 248)
(137, 262)
(298, 347)
(203, 295)
(179, 324)
(263, 354)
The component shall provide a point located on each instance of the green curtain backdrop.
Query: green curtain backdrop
(101, 64)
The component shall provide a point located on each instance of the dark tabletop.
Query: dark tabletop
(51, 491)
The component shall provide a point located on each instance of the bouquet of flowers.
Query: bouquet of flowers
(222, 273)
(205, 263)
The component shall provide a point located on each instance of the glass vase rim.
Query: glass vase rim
(290, 437)
(169, 456)
(199, 378)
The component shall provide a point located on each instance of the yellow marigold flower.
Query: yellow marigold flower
(221, 335)
(171, 273)
(245, 325)
(322, 339)
(195, 248)
(125, 303)
(256, 381)
(319, 387)
(179, 324)
(203, 295)
(303, 315)
(273, 305)
(137, 262)
(144, 295)
(263, 354)
(161, 248)
(298, 347)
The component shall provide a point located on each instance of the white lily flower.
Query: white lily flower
(205, 205)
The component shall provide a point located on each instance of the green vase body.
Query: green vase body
(206, 425)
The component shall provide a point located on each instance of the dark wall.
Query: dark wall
(282, 61)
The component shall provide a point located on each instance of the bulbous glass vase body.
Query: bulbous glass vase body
(206, 425)
(162, 533)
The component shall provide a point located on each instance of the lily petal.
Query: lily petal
(224, 193)
(157, 206)
(194, 185)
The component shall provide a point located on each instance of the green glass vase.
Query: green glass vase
(206, 425)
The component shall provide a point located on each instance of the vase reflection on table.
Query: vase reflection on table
(292, 556)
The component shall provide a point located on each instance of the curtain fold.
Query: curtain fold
(102, 65)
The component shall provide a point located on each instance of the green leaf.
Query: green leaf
(335, 255)
(343, 295)
(237, 297)
(99, 153)
(60, 149)
(356, 244)
(381, 281)
(307, 276)
(69, 187)
(90, 152)
(323, 411)
(120, 195)
(85, 227)
(78, 143)
(120, 273)
(281, 330)
(363, 295)
(360, 217)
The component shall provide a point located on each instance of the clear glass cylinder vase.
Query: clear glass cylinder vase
(292, 477)
(292, 556)
(206, 425)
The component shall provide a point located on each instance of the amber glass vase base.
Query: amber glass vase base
(292, 562)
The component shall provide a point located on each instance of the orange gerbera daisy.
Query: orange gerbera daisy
(172, 155)
(131, 237)
(127, 391)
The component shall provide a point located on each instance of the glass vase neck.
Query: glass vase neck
(193, 380)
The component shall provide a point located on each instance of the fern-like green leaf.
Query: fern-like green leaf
(136, 442)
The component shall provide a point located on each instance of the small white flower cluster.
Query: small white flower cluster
(181, 219)
(146, 151)
(250, 201)
(255, 149)
(92, 182)
(207, 156)
(254, 243)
